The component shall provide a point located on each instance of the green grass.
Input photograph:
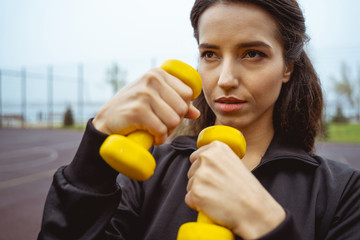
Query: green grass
(80, 127)
(337, 132)
(344, 132)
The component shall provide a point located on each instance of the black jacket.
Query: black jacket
(321, 197)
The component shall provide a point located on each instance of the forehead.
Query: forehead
(230, 20)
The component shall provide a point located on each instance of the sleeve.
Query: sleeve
(83, 196)
(346, 223)
(286, 230)
(344, 226)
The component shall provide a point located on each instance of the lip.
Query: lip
(229, 104)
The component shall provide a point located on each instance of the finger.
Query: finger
(189, 185)
(193, 168)
(189, 201)
(186, 93)
(170, 118)
(196, 154)
(174, 93)
(178, 96)
(174, 100)
(154, 125)
(193, 157)
(179, 86)
(193, 112)
(159, 133)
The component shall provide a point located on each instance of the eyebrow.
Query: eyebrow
(239, 46)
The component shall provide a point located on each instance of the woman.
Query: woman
(256, 78)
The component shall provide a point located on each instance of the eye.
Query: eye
(208, 55)
(254, 54)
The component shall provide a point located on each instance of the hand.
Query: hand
(157, 102)
(223, 188)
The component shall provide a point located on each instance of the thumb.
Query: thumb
(193, 112)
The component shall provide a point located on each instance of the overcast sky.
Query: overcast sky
(142, 33)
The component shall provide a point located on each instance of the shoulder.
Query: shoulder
(336, 170)
(339, 187)
(338, 176)
(336, 181)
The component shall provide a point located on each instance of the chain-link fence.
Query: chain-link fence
(41, 97)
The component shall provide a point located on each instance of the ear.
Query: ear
(288, 70)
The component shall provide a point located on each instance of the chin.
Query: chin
(235, 123)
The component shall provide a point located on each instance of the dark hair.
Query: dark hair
(298, 109)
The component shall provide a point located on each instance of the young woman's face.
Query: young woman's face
(241, 64)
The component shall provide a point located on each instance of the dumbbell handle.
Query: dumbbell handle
(203, 218)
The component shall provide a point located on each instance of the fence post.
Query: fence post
(50, 82)
(80, 92)
(1, 115)
(23, 97)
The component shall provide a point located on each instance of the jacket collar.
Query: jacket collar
(279, 149)
(184, 143)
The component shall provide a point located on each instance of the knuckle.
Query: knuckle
(197, 195)
(188, 93)
(143, 94)
(218, 144)
(175, 121)
(162, 131)
(137, 109)
(183, 108)
(188, 199)
(152, 78)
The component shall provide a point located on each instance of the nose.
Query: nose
(228, 78)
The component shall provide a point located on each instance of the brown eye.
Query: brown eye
(254, 54)
(209, 54)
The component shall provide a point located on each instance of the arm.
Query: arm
(83, 195)
(346, 223)
(218, 177)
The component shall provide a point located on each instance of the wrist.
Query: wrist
(261, 224)
(100, 125)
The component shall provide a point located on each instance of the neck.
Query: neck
(257, 142)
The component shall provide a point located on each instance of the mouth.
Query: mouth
(229, 100)
(229, 104)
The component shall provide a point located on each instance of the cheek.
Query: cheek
(267, 88)
(208, 82)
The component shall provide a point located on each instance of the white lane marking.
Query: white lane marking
(20, 159)
(26, 179)
(344, 160)
(26, 158)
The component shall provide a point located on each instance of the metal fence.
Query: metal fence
(40, 98)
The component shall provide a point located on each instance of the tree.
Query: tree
(68, 117)
(116, 77)
(348, 92)
(339, 116)
(357, 95)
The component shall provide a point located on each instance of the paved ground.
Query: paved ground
(28, 159)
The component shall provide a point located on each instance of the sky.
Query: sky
(140, 34)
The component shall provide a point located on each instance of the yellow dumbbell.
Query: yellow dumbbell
(129, 154)
(204, 228)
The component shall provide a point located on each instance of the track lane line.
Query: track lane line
(26, 179)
